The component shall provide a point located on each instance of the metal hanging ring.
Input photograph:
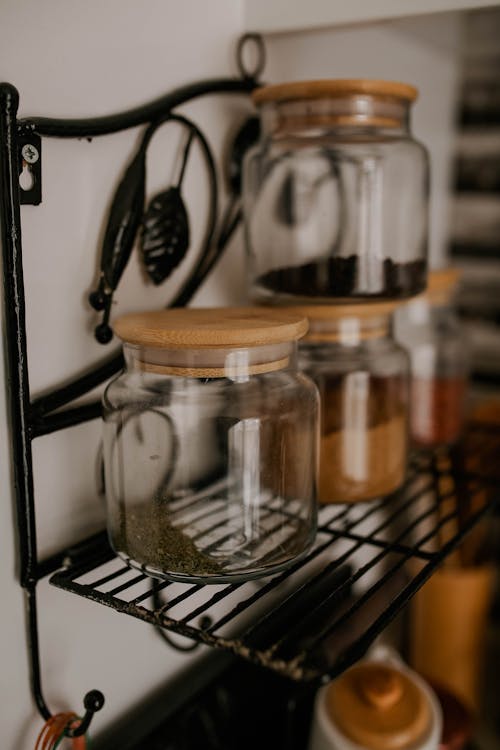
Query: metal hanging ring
(255, 40)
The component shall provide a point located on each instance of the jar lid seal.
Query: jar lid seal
(211, 328)
(334, 88)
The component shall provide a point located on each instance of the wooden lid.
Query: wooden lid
(442, 281)
(363, 311)
(216, 328)
(335, 88)
(379, 707)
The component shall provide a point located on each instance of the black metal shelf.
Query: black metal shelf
(312, 621)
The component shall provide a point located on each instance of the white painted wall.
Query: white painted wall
(92, 58)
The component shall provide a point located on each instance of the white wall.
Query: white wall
(91, 58)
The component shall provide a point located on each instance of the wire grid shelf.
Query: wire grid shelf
(316, 618)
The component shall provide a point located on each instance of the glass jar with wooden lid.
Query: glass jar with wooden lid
(336, 193)
(362, 376)
(429, 327)
(210, 444)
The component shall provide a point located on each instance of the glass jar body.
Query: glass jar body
(211, 478)
(439, 370)
(334, 211)
(364, 417)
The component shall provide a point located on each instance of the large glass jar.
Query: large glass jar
(362, 376)
(430, 329)
(336, 193)
(210, 444)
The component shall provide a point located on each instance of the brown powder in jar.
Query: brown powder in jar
(437, 410)
(357, 465)
(364, 442)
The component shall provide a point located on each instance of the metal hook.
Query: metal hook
(260, 51)
(93, 702)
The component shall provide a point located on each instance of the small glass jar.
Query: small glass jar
(429, 328)
(362, 376)
(210, 443)
(335, 194)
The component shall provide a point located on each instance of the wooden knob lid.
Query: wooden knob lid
(211, 328)
(379, 707)
(381, 688)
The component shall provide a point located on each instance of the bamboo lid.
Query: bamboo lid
(334, 88)
(379, 707)
(210, 328)
(443, 280)
(347, 324)
(363, 311)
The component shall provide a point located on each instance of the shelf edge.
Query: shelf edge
(281, 16)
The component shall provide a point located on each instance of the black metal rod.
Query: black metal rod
(17, 360)
(78, 386)
(36, 685)
(67, 418)
(93, 547)
(95, 126)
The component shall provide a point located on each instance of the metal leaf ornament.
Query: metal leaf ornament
(123, 222)
(165, 233)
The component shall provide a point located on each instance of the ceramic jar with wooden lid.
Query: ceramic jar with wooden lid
(210, 444)
(376, 706)
(362, 376)
(335, 194)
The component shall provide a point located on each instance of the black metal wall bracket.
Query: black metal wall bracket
(20, 157)
(29, 154)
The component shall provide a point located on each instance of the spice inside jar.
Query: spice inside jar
(362, 376)
(210, 445)
(429, 328)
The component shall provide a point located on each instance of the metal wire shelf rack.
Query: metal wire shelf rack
(316, 618)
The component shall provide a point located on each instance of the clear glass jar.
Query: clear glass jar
(430, 329)
(362, 376)
(335, 194)
(210, 444)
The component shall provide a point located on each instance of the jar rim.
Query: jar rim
(211, 328)
(334, 88)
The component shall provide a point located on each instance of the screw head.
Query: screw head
(30, 153)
